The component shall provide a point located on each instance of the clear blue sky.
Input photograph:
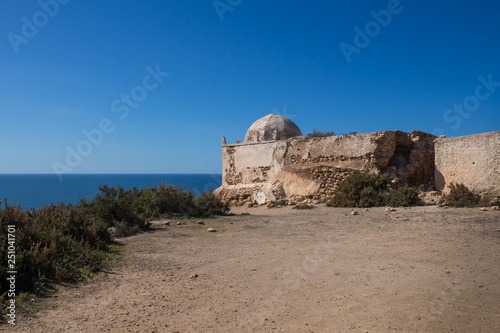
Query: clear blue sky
(263, 57)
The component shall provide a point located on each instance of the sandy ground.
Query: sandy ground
(421, 269)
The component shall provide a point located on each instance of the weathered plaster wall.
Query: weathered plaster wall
(473, 160)
(306, 167)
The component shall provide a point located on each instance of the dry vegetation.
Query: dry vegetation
(66, 243)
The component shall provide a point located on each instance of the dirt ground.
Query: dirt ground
(420, 269)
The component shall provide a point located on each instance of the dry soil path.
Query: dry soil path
(423, 269)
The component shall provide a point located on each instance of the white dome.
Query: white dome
(272, 127)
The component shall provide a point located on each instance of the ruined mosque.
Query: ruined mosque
(276, 161)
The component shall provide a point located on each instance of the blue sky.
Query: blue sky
(66, 66)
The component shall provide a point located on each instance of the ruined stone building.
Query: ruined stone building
(473, 160)
(277, 162)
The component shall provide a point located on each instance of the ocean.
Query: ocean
(33, 191)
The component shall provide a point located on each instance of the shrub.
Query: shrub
(114, 205)
(364, 189)
(52, 243)
(360, 189)
(303, 206)
(67, 243)
(403, 196)
(167, 199)
(128, 210)
(461, 196)
(278, 204)
(123, 229)
(324, 200)
(319, 134)
(208, 204)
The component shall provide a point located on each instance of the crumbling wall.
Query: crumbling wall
(412, 161)
(312, 167)
(473, 160)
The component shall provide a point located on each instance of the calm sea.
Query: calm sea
(37, 190)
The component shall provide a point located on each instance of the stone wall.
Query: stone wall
(473, 160)
(302, 168)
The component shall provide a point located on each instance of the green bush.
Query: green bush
(365, 189)
(303, 206)
(461, 196)
(52, 243)
(208, 204)
(64, 242)
(167, 199)
(324, 200)
(278, 204)
(130, 209)
(115, 204)
(402, 196)
(360, 189)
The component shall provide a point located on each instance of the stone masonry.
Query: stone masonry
(298, 168)
(473, 160)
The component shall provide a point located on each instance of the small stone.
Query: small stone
(389, 209)
(366, 209)
(179, 223)
(193, 276)
(211, 230)
(200, 222)
(166, 223)
(483, 209)
(354, 213)
(495, 208)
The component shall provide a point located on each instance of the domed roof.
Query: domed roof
(272, 127)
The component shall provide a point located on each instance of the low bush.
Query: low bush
(461, 196)
(278, 204)
(319, 134)
(67, 242)
(365, 189)
(52, 243)
(324, 200)
(360, 189)
(208, 204)
(303, 206)
(402, 196)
